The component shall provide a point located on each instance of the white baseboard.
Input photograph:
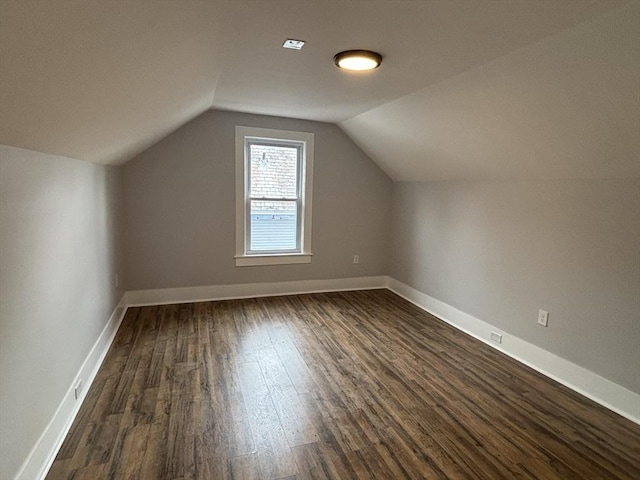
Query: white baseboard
(593, 386)
(46, 448)
(249, 290)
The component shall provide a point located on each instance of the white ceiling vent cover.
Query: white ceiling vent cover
(293, 44)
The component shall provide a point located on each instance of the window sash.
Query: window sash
(298, 200)
(274, 231)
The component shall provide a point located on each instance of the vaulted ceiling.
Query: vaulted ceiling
(467, 89)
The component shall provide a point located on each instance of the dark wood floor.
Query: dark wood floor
(338, 385)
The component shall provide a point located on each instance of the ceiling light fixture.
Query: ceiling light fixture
(358, 60)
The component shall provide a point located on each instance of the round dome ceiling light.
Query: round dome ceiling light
(357, 60)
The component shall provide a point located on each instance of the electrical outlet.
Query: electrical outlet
(543, 318)
(78, 389)
(356, 259)
(496, 337)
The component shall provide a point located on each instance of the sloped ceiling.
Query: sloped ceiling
(456, 97)
(101, 80)
(565, 107)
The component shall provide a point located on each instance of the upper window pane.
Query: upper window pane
(274, 171)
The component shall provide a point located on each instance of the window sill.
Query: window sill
(271, 259)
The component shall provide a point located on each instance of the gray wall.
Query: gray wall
(501, 250)
(58, 228)
(180, 208)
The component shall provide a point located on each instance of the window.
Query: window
(274, 171)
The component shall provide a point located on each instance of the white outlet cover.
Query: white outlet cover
(543, 317)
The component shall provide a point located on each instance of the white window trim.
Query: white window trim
(304, 256)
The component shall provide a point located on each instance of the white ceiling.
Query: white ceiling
(567, 106)
(101, 81)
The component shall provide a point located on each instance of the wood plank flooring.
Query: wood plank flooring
(350, 385)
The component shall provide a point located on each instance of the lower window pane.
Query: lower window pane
(273, 226)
